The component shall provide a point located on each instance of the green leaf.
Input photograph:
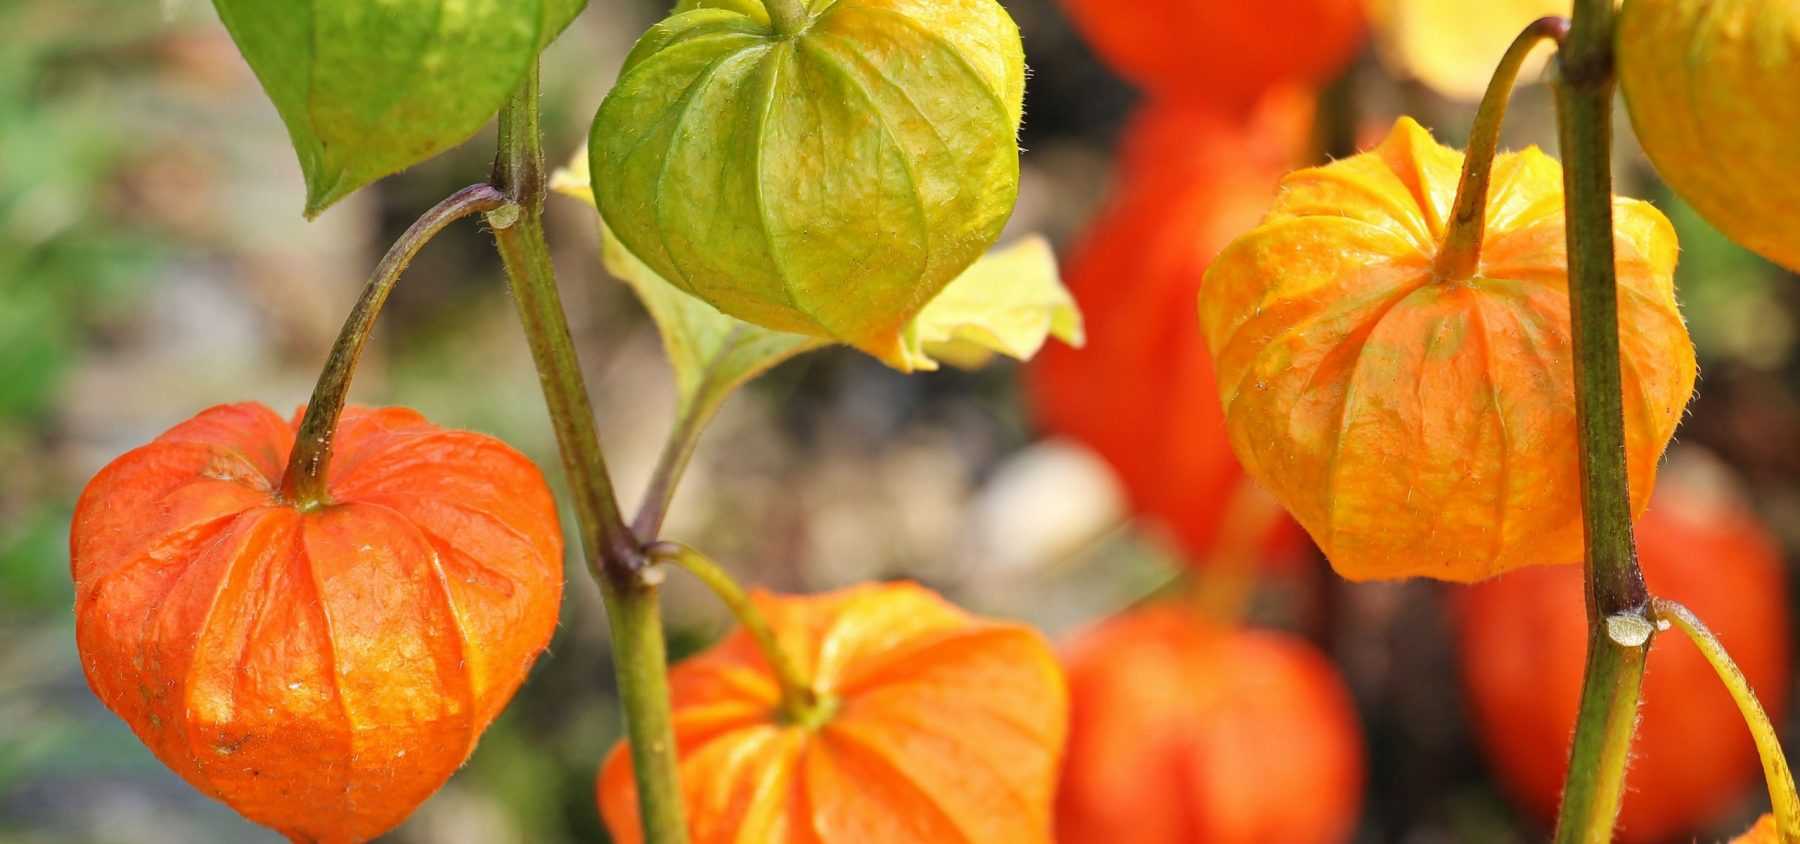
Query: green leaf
(1010, 302)
(369, 89)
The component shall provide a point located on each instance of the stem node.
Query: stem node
(1614, 584)
(505, 216)
(1630, 630)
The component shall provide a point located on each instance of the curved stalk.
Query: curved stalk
(789, 17)
(1617, 600)
(692, 414)
(800, 704)
(671, 464)
(633, 612)
(1461, 251)
(304, 482)
(1782, 796)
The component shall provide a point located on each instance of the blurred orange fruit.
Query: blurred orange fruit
(1221, 51)
(1141, 392)
(940, 727)
(1425, 427)
(1524, 641)
(322, 671)
(1182, 731)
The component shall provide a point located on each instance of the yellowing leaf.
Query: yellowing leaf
(1452, 46)
(1010, 302)
(712, 353)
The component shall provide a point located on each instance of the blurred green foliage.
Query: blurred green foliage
(65, 263)
(1729, 294)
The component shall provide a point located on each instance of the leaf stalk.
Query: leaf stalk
(1780, 778)
(1460, 255)
(800, 703)
(304, 484)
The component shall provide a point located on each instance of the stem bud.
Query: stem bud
(505, 216)
(1629, 629)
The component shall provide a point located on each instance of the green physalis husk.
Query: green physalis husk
(829, 181)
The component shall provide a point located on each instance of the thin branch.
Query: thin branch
(304, 483)
(1780, 778)
(1467, 228)
(800, 704)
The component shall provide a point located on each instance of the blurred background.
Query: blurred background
(153, 262)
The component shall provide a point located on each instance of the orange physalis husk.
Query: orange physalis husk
(1141, 393)
(322, 672)
(1425, 427)
(935, 726)
(1185, 731)
(1523, 637)
(1221, 51)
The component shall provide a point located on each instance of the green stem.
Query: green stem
(800, 704)
(1467, 228)
(1782, 796)
(614, 558)
(1604, 727)
(641, 665)
(1617, 600)
(304, 483)
(789, 17)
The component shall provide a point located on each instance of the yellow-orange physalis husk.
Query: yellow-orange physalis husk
(1714, 92)
(1425, 427)
(936, 727)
